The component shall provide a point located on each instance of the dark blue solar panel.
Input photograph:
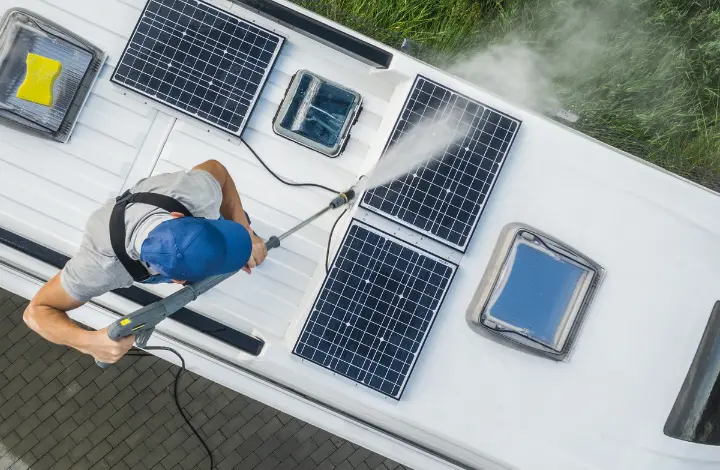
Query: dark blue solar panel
(375, 310)
(200, 60)
(444, 197)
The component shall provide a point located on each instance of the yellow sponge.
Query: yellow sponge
(39, 80)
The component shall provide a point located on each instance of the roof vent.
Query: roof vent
(46, 74)
(534, 293)
(318, 113)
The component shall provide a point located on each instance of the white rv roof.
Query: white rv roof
(474, 400)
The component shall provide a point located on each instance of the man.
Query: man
(173, 227)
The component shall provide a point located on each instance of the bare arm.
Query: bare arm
(232, 208)
(46, 315)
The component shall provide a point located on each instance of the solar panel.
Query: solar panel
(444, 197)
(375, 310)
(199, 60)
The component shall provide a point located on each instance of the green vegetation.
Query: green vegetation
(644, 75)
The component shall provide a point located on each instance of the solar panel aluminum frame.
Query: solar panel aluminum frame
(461, 248)
(453, 266)
(183, 114)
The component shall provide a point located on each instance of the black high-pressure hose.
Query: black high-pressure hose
(340, 200)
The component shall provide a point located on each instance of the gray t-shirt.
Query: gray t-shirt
(95, 270)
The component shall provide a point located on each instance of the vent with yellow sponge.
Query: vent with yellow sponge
(39, 79)
(46, 74)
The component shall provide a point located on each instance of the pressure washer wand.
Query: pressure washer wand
(142, 322)
(339, 201)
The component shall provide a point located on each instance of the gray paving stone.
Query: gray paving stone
(107, 377)
(26, 444)
(17, 350)
(63, 464)
(49, 390)
(251, 461)
(119, 435)
(64, 430)
(144, 380)
(287, 447)
(157, 437)
(249, 446)
(98, 435)
(215, 441)
(68, 392)
(229, 462)
(32, 388)
(84, 412)
(9, 442)
(288, 463)
(270, 428)
(13, 387)
(46, 428)
(68, 375)
(81, 448)
(66, 407)
(28, 426)
(37, 350)
(137, 437)
(160, 401)
(50, 407)
(342, 453)
(123, 397)
(268, 447)
(140, 417)
(33, 370)
(323, 452)
(234, 442)
(103, 414)
(253, 426)
(193, 459)
(105, 395)
(98, 452)
(44, 463)
(173, 459)
(252, 409)
(69, 357)
(135, 457)
(304, 450)
(198, 387)
(175, 439)
(116, 454)
(66, 411)
(359, 456)
(62, 448)
(154, 457)
(8, 426)
(11, 406)
(306, 432)
(374, 460)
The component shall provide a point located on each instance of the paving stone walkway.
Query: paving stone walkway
(59, 411)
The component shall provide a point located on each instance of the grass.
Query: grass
(644, 75)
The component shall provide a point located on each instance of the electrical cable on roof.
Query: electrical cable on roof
(282, 180)
(181, 410)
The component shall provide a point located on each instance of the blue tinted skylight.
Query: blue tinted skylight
(536, 294)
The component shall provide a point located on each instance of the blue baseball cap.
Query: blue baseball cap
(191, 249)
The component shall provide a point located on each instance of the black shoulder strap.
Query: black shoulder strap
(118, 230)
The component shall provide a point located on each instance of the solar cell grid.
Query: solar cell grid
(445, 196)
(200, 60)
(375, 310)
